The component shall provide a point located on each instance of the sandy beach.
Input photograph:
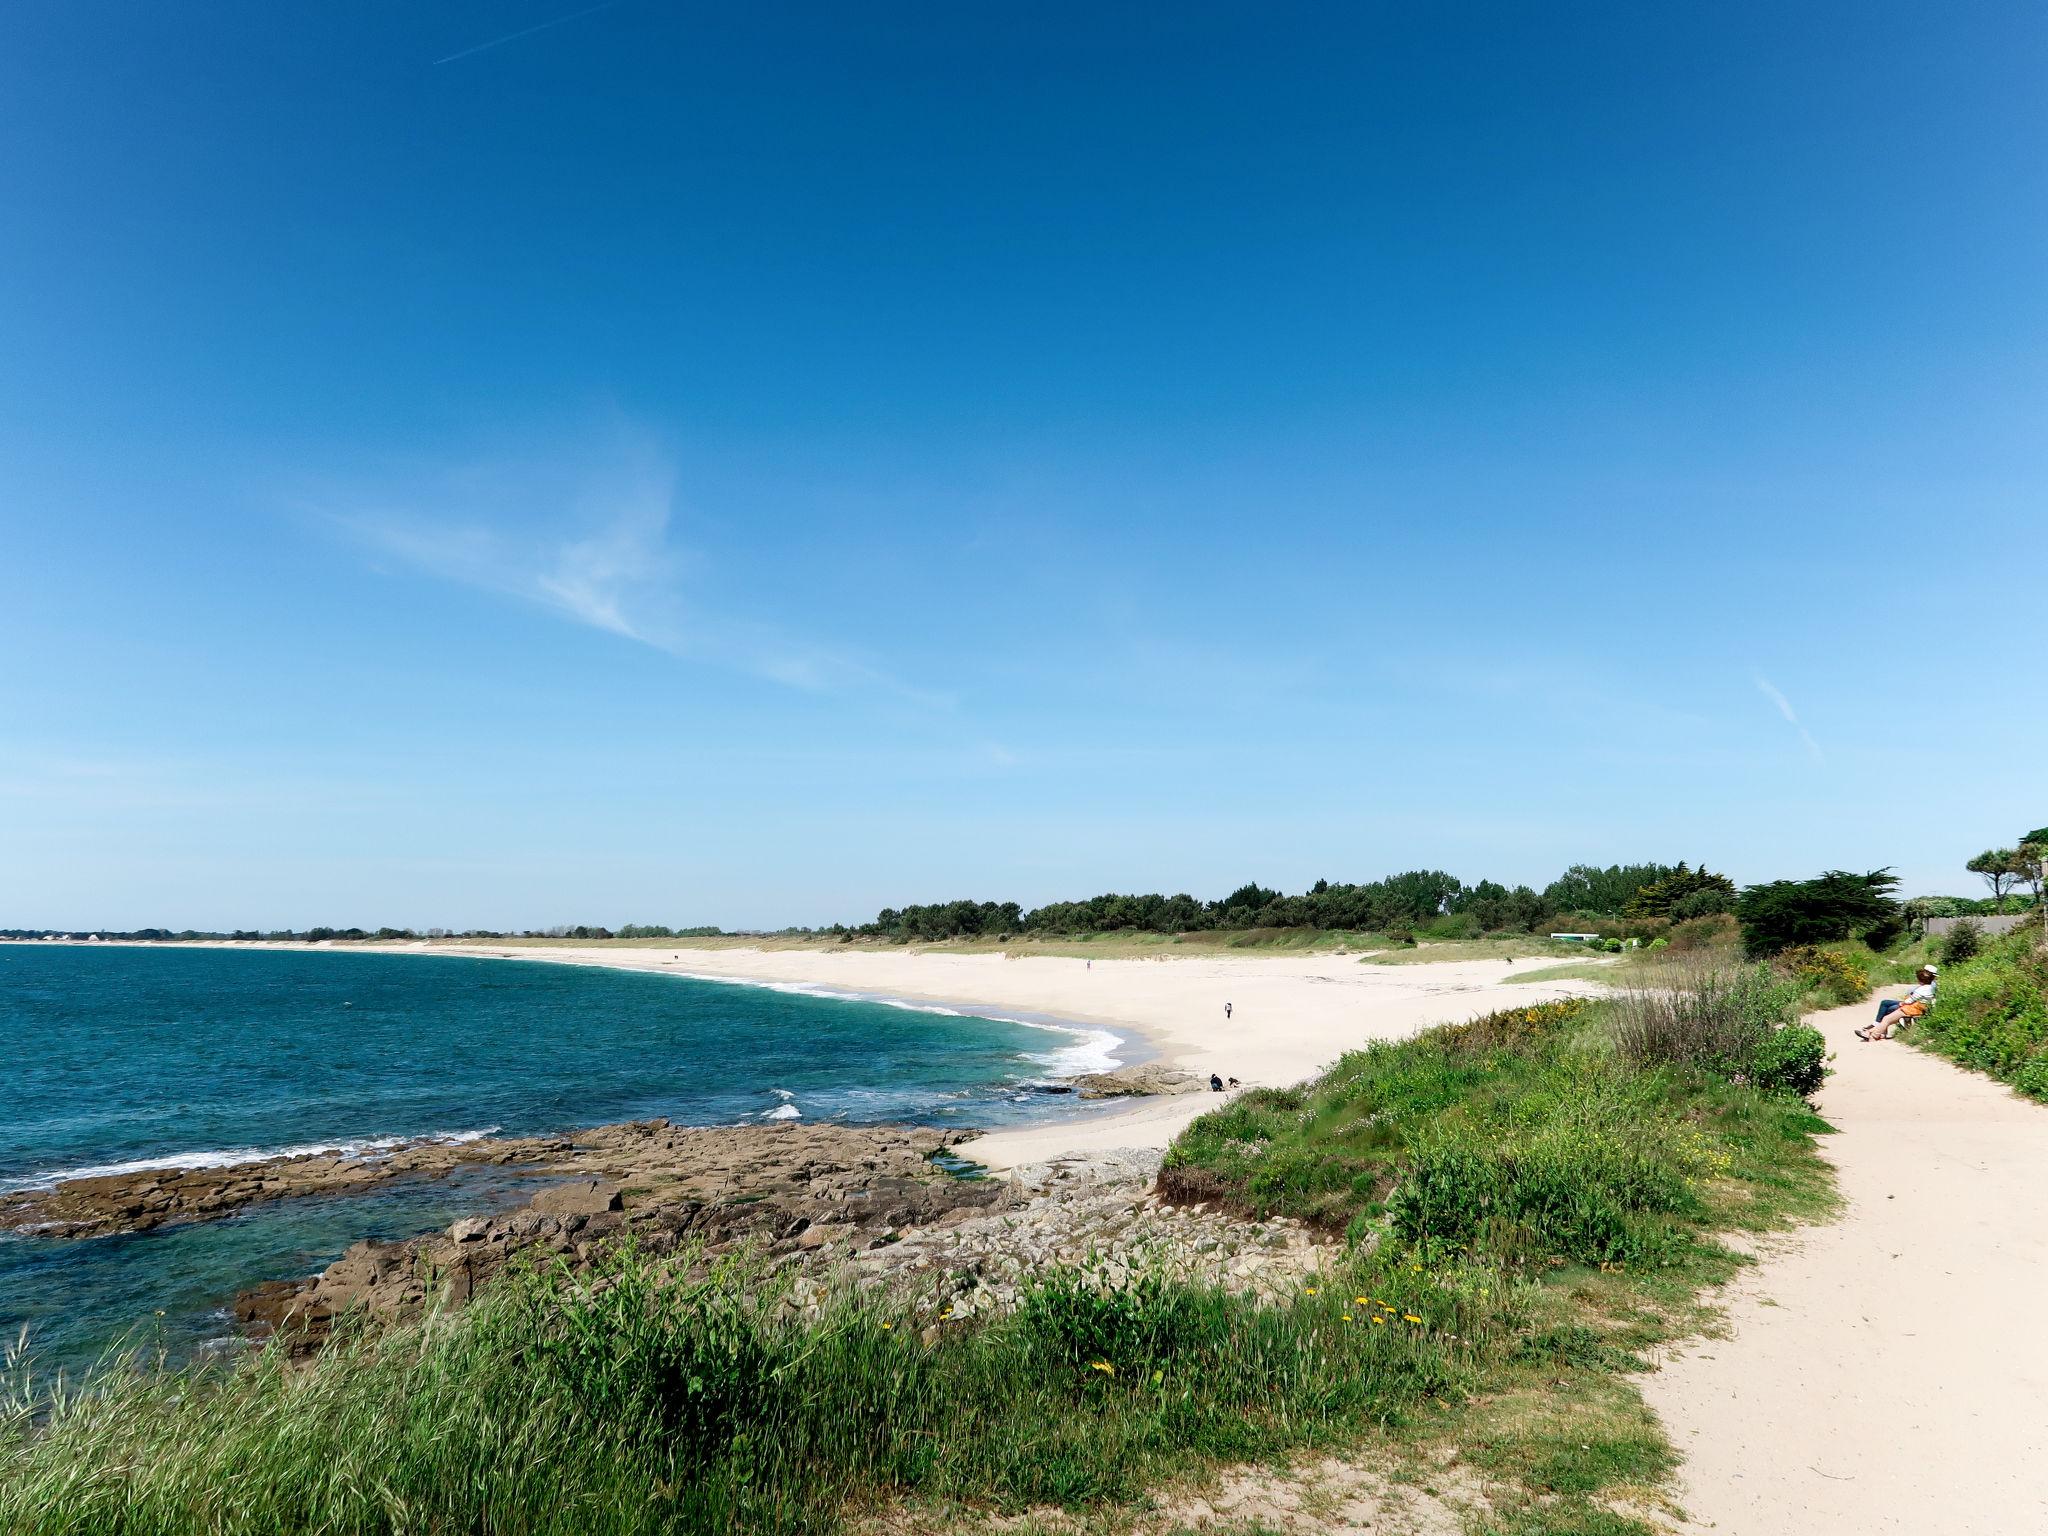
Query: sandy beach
(1291, 1015)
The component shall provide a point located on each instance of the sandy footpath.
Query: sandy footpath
(1887, 1372)
(1291, 1014)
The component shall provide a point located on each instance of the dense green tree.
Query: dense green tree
(2032, 855)
(1602, 892)
(1661, 898)
(1837, 905)
(2000, 869)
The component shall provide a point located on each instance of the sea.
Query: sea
(116, 1058)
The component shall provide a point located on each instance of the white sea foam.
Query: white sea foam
(1093, 1050)
(234, 1157)
(783, 1112)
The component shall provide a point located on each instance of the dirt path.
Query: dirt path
(1888, 1372)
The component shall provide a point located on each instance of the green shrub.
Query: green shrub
(1790, 1060)
(2032, 1078)
(1962, 942)
(1827, 971)
(1993, 1012)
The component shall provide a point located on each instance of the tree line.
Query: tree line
(1412, 900)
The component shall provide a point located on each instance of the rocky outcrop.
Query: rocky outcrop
(1147, 1078)
(664, 1159)
(1100, 1214)
(784, 1189)
(959, 1247)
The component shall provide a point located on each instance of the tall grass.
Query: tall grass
(1737, 1021)
(641, 1400)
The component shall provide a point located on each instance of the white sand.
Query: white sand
(1887, 1372)
(1292, 1015)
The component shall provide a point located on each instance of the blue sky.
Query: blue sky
(757, 464)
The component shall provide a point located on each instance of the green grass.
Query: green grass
(1992, 1013)
(644, 1403)
(1514, 946)
(1531, 1215)
(1584, 970)
(1519, 1154)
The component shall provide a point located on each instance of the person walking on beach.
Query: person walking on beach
(1892, 1012)
(1226, 1013)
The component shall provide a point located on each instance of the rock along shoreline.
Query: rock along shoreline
(873, 1204)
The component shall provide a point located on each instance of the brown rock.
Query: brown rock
(1148, 1078)
(586, 1197)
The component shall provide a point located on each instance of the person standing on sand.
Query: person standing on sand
(1892, 1013)
(1226, 1013)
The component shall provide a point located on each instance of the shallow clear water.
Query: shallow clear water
(122, 1056)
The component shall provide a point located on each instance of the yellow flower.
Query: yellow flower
(1411, 1317)
(1359, 1300)
(1417, 1268)
(1309, 1291)
(1103, 1366)
(888, 1325)
(1347, 1317)
(1379, 1320)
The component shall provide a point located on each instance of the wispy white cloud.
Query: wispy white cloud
(1771, 692)
(592, 540)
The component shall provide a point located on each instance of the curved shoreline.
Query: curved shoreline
(1109, 1046)
(1269, 1020)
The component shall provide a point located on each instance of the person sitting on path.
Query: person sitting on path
(1892, 1012)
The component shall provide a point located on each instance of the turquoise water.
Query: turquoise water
(122, 1057)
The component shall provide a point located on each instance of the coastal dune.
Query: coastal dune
(1290, 1015)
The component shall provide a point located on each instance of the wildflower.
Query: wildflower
(1103, 1366)
(1359, 1301)
(1158, 1377)
(888, 1325)
(1347, 1317)
(1379, 1320)
(1411, 1317)
(1308, 1290)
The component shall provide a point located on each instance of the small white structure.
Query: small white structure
(1576, 938)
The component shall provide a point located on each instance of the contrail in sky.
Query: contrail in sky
(1785, 708)
(513, 37)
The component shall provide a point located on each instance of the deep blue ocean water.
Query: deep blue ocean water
(116, 1057)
